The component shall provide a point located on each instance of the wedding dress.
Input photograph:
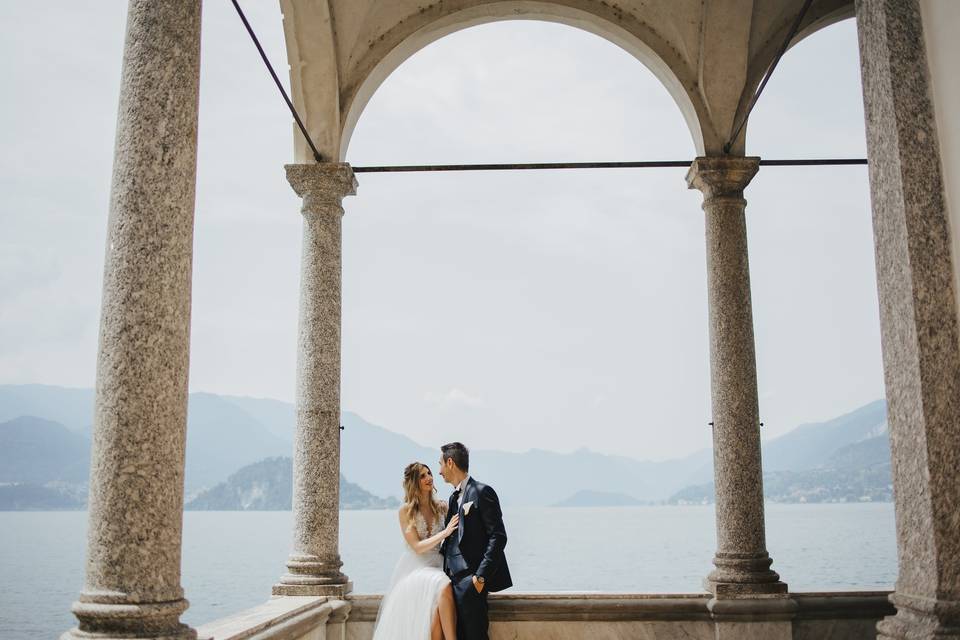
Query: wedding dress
(410, 603)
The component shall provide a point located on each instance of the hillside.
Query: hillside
(268, 486)
(35, 451)
(73, 408)
(221, 436)
(855, 472)
(35, 497)
(227, 433)
(810, 445)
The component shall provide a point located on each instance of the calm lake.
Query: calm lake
(230, 559)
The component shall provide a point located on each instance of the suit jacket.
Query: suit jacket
(480, 537)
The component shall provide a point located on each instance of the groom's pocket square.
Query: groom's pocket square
(466, 507)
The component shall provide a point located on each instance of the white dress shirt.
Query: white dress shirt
(460, 488)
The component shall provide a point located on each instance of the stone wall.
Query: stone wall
(557, 616)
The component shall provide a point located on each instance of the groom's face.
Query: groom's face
(445, 466)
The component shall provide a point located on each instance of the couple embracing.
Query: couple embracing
(454, 556)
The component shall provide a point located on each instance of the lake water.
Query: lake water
(230, 559)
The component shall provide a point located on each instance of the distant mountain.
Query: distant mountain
(35, 451)
(35, 497)
(262, 486)
(871, 484)
(811, 445)
(560, 475)
(73, 408)
(278, 417)
(221, 436)
(598, 499)
(227, 433)
(378, 456)
(869, 452)
(268, 486)
(859, 484)
(850, 461)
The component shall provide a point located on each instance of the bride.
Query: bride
(419, 604)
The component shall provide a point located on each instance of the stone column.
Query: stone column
(132, 586)
(314, 564)
(918, 318)
(742, 563)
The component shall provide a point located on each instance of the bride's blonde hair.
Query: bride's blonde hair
(411, 491)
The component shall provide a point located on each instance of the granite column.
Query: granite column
(918, 318)
(742, 562)
(314, 564)
(132, 586)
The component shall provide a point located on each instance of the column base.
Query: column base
(331, 590)
(743, 575)
(105, 617)
(310, 575)
(921, 619)
(732, 590)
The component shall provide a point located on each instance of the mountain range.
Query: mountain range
(221, 436)
(267, 486)
(858, 469)
(228, 433)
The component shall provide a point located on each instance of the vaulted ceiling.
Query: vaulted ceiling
(710, 54)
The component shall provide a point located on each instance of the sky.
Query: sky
(515, 310)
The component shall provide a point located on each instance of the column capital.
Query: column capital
(322, 186)
(722, 176)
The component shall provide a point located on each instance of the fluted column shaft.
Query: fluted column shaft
(742, 563)
(918, 317)
(132, 586)
(314, 564)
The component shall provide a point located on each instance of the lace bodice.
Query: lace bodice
(424, 531)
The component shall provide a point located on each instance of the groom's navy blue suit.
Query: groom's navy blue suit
(475, 550)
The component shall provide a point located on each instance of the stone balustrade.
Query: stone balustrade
(558, 616)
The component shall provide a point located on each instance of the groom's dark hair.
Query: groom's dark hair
(458, 453)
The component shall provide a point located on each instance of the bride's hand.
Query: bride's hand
(452, 525)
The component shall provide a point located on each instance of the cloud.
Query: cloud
(452, 399)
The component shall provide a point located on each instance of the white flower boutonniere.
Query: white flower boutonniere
(466, 508)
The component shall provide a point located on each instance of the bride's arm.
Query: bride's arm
(422, 546)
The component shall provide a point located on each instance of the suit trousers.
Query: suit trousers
(472, 607)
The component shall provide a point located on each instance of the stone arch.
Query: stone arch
(823, 15)
(633, 36)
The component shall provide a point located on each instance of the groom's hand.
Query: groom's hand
(477, 585)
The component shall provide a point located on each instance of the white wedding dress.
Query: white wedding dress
(408, 607)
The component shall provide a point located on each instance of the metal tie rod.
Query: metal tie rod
(650, 164)
(276, 81)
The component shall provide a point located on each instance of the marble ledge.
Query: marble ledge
(838, 615)
(280, 616)
(627, 607)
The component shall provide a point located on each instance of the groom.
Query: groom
(473, 557)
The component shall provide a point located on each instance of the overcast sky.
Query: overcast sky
(555, 310)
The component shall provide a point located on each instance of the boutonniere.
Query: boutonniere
(466, 508)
